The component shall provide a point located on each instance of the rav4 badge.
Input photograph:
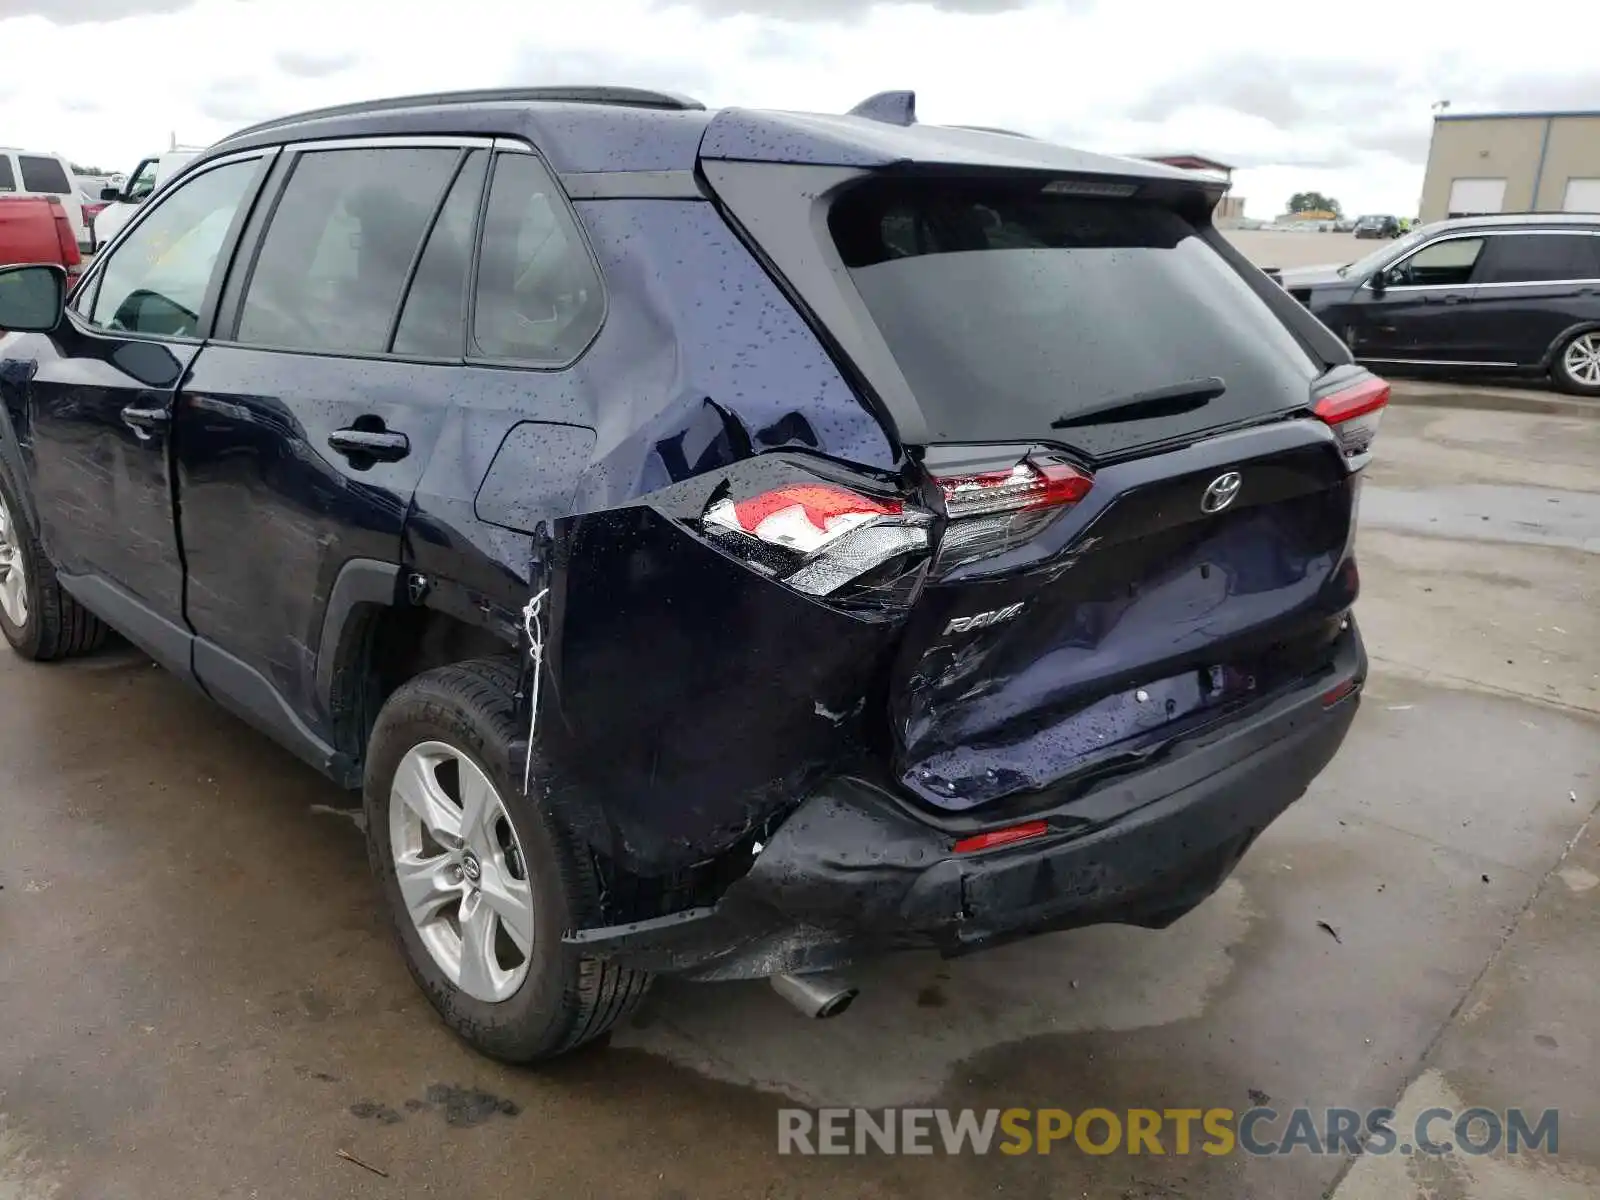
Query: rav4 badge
(983, 620)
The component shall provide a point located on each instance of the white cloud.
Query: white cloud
(1336, 100)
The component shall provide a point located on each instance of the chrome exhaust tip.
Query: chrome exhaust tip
(818, 995)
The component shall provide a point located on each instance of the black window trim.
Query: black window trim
(1484, 235)
(89, 285)
(504, 146)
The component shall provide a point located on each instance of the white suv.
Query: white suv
(33, 173)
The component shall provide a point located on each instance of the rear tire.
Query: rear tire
(38, 619)
(454, 728)
(1576, 366)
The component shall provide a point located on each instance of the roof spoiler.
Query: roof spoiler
(891, 108)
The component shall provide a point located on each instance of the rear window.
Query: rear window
(1010, 309)
(41, 174)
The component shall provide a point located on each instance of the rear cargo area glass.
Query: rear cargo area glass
(1008, 308)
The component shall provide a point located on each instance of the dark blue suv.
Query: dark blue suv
(720, 544)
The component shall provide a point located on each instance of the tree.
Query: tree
(1313, 202)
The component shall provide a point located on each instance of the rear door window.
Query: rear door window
(1443, 264)
(40, 174)
(8, 178)
(336, 255)
(1539, 257)
(1011, 310)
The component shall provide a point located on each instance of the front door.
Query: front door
(300, 434)
(1416, 317)
(101, 404)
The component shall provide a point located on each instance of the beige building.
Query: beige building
(1512, 162)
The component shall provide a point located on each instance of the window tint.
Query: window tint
(538, 295)
(329, 272)
(1008, 310)
(1441, 264)
(432, 321)
(1530, 257)
(8, 180)
(40, 174)
(155, 281)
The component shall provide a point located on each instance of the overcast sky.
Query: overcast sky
(1331, 97)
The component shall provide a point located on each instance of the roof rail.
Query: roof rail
(625, 96)
(892, 108)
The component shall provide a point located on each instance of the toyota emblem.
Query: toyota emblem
(1223, 491)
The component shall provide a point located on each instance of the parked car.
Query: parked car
(32, 173)
(1502, 295)
(120, 202)
(1378, 227)
(36, 229)
(726, 545)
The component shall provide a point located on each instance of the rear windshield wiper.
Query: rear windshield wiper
(1168, 401)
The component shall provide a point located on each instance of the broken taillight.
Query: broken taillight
(991, 511)
(818, 537)
(1353, 413)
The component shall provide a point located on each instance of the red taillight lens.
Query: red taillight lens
(805, 517)
(1001, 837)
(817, 537)
(1354, 414)
(991, 511)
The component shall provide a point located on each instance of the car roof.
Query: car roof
(1512, 220)
(599, 129)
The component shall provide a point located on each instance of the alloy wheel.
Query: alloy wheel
(461, 870)
(13, 570)
(1582, 359)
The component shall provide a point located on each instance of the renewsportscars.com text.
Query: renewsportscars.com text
(1257, 1131)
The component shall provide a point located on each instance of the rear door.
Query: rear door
(1531, 289)
(300, 435)
(1137, 529)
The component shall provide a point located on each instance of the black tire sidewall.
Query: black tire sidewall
(25, 640)
(537, 1019)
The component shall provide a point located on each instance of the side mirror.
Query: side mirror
(32, 298)
(111, 195)
(1379, 281)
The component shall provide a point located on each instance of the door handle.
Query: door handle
(146, 421)
(378, 445)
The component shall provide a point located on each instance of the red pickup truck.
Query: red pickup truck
(36, 229)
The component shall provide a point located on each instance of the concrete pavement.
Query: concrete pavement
(199, 998)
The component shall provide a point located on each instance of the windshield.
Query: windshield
(1008, 310)
(1367, 264)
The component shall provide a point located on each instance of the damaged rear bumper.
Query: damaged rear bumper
(856, 871)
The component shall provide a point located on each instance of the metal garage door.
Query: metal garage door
(1474, 197)
(1583, 195)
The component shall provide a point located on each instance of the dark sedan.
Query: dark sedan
(1505, 295)
(1378, 227)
